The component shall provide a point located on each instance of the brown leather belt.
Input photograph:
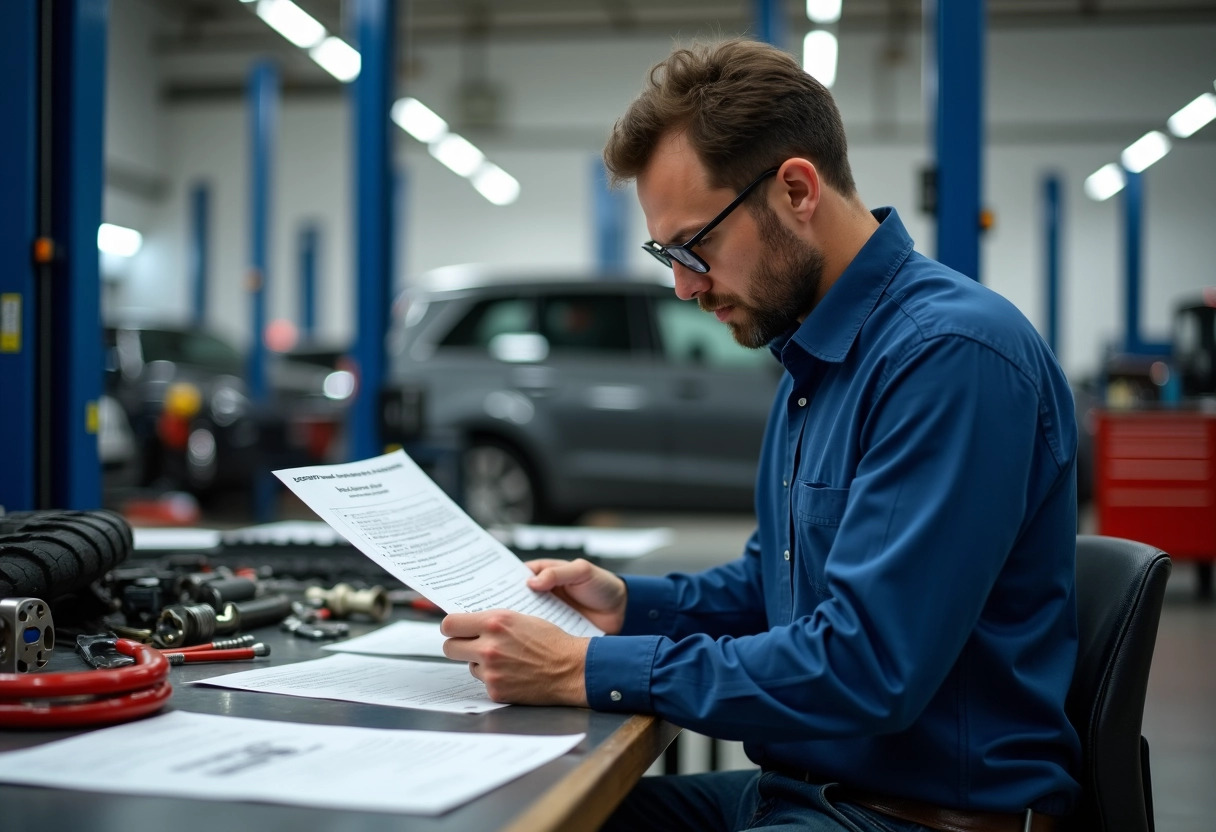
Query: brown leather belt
(941, 818)
(946, 819)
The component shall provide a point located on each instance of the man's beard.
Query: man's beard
(783, 288)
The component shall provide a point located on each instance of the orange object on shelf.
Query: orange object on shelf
(1155, 479)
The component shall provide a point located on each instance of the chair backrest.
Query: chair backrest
(1120, 588)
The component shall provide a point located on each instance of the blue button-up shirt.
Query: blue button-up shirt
(903, 618)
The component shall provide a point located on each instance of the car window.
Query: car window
(586, 322)
(194, 348)
(489, 318)
(690, 336)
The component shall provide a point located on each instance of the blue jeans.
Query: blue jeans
(733, 801)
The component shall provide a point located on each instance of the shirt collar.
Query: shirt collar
(829, 331)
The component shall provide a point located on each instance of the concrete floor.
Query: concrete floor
(1180, 709)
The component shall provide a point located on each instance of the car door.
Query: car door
(716, 398)
(599, 403)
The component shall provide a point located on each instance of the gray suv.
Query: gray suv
(549, 396)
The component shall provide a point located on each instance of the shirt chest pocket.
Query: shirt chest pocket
(817, 511)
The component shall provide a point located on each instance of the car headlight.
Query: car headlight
(227, 405)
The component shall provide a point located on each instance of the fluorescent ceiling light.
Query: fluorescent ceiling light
(819, 56)
(338, 58)
(495, 184)
(1145, 150)
(457, 153)
(292, 22)
(419, 120)
(1190, 118)
(823, 11)
(115, 239)
(1105, 182)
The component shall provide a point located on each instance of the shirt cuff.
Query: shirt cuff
(650, 606)
(618, 672)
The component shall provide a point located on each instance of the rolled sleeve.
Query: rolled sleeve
(618, 672)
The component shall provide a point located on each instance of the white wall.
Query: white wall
(1066, 100)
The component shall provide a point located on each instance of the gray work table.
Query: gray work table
(574, 792)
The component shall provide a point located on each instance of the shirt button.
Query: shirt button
(787, 554)
(615, 696)
(785, 484)
(802, 402)
(654, 614)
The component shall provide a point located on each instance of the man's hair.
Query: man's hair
(744, 106)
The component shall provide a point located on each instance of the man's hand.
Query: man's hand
(521, 659)
(596, 593)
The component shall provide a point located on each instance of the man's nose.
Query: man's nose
(689, 284)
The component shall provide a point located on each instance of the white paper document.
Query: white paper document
(404, 638)
(397, 516)
(213, 757)
(400, 683)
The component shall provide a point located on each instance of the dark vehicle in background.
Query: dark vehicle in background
(1195, 346)
(556, 395)
(194, 425)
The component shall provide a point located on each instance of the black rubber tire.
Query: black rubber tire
(47, 554)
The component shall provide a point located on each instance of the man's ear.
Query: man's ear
(799, 188)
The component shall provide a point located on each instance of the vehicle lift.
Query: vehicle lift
(52, 71)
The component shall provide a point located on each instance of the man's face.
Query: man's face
(763, 278)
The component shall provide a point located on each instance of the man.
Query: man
(895, 645)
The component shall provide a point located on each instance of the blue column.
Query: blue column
(309, 235)
(78, 68)
(611, 210)
(18, 201)
(770, 22)
(1052, 219)
(954, 87)
(263, 99)
(200, 229)
(1133, 197)
(375, 27)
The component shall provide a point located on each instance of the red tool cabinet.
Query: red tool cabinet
(1155, 480)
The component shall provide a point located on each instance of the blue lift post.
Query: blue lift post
(18, 202)
(954, 86)
(1052, 220)
(263, 98)
(200, 231)
(1133, 195)
(78, 69)
(308, 242)
(770, 22)
(611, 211)
(375, 28)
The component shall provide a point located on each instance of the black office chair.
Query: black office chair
(1120, 588)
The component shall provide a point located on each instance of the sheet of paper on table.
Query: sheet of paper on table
(396, 515)
(212, 757)
(403, 638)
(400, 683)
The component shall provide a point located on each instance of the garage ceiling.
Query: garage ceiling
(205, 45)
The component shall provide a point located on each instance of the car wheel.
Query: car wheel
(498, 486)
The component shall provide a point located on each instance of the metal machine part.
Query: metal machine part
(27, 634)
(221, 591)
(344, 600)
(183, 624)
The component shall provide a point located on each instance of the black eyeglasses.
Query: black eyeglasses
(683, 252)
